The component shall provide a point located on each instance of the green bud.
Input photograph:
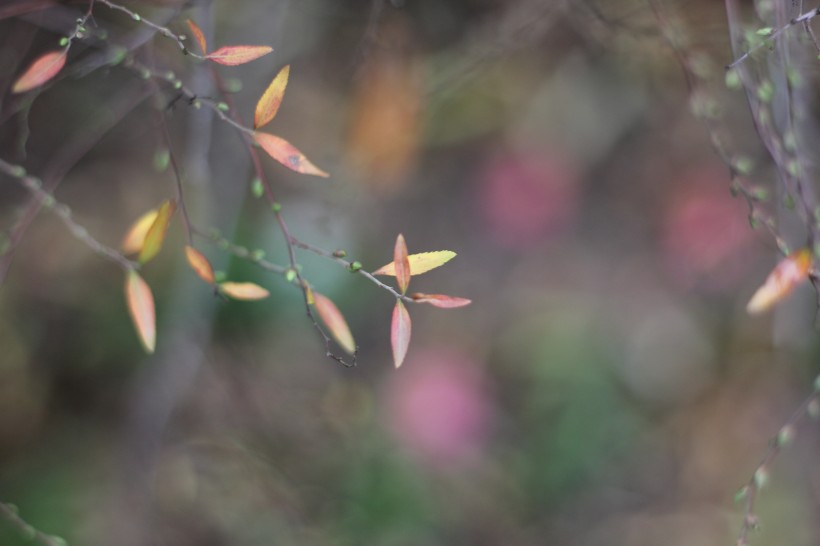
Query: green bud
(63, 41)
(785, 436)
(733, 80)
(222, 106)
(258, 255)
(788, 201)
(257, 189)
(765, 91)
(220, 276)
(162, 158)
(290, 275)
(355, 266)
(136, 17)
(743, 165)
(233, 85)
(339, 253)
(276, 207)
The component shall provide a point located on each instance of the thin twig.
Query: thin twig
(10, 513)
(775, 34)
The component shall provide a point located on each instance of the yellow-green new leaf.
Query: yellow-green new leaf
(781, 281)
(134, 239)
(243, 291)
(156, 233)
(140, 302)
(271, 99)
(335, 322)
(419, 263)
(286, 153)
(200, 264)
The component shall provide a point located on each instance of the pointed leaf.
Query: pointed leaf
(268, 105)
(156, 233)
(199, 36)
(400, 328)
(236, 55)
(781, 281)
(335, 322)
(441, 300)
(243, 291)
(200, 264)
(134, 239)
(43, 68)
(141, 308)
(285, 153)
(402, 264)
(420, 263)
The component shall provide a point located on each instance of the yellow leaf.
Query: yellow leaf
(335, 322)
(285, 153)
(156, 233)
(141, 308)
(243, 290)
(200, 264)
(420, 263)
(134, 239)
(43, 68)
(271, 99)
(781, 281)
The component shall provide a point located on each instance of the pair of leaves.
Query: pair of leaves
(783, 279)
(247, 291)
(403, 267)
(41, 70)
(228, 55)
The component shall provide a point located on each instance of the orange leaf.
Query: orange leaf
(420, 263)
(271, 99)
(335, 322)
(286, 154)
(199, 36)
(402, 264)
(440, 300)
(200, 264)
(243, 290)
(236, 55)
(156, 233)
(43, 68)
(400, 328)
(134, 239)
(781, 281)
(141, 307)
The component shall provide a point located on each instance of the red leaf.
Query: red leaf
(286, 154)
(781, 281)
(402, 264)
(156, 233)
(141, 307)
(199, 36)
(335, 322)
(420, 263)
(243, 290)
(135, 238)
(200, 264)
(440, 300)
(271, 99)
(400, 328)
(236, 55)
(43, 68)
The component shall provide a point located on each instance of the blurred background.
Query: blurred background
(606, 386)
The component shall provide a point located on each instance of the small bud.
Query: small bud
(220, 276)
(761, 477)
(355, 266)
(136, 17)
(258, 255)
(785, 436)
(276, 207)
(18, 171)
(743, 165)
(63, 41)
(178, 85)
(290, 275)
(339, 253)
(733, 79)
(222, 106)
(162, 158)
(814, 409)
(257, 189)
(233, 85)
(742, 493)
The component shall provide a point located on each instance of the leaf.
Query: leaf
(781, 281)
(420, 263)
(141, 308)
(236, 55)
(156, 233)
(335, 322)
(134, 239)
(402, 264)
(441, 300)
(286, 154)
(243, 291)
(43, 68)
(400, 332)
(199, 36)
(271, 99)
(200, 264)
